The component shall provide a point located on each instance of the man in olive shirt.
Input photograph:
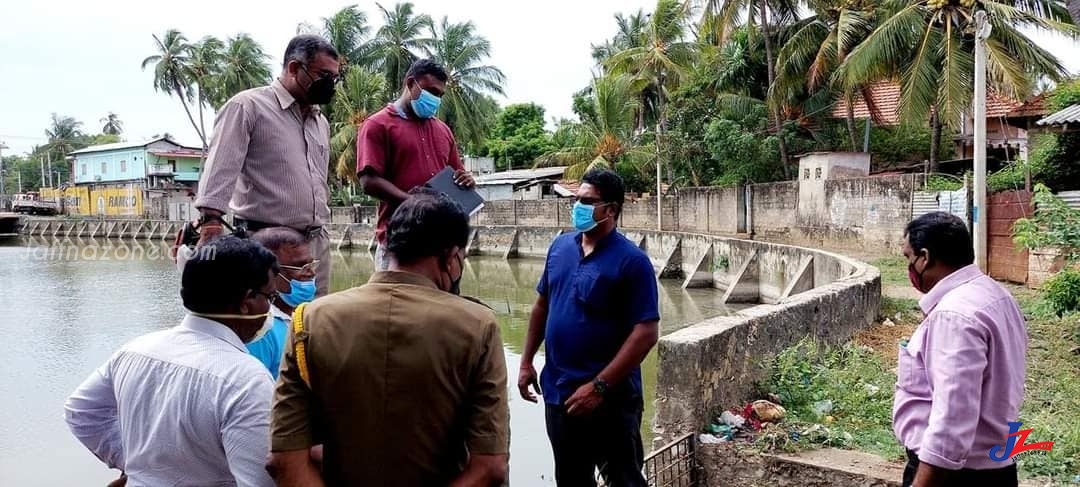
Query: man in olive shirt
(407, 379)
(270, 154)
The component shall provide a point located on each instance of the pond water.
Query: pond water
(66, 306)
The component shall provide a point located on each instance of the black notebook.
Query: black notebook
(443, 182)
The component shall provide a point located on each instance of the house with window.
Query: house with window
(144, 179)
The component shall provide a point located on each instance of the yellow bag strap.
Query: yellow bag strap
(300, 342)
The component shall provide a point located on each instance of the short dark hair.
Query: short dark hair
(274, 238)
(426, 224)
(305, 47)
(945, 235)
(608, 183)
(426, 66)
(223, 271)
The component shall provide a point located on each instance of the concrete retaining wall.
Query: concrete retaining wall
(704, 368)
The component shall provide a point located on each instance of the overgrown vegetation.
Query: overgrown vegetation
(1054, 225)
(857, 380)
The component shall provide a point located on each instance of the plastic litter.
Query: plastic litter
(731, 419)
(707, 439)
(767, 411)
(822, 408)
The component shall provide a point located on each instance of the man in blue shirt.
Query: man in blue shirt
(597, 310)
(295, 284)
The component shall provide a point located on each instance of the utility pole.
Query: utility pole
(982, 32)
(41, 162)
(2, 192)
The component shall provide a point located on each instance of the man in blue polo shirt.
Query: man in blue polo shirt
(597, 310)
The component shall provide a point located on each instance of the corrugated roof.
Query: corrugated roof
(885, 98)
(126, 145)
(518, 175)
(1068, 115)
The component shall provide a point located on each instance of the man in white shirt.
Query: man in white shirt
(188, 406)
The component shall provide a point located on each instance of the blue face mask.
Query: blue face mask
(300, 292)
(582, 216)
(427, 105)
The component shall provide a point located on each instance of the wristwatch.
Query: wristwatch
(600, 386)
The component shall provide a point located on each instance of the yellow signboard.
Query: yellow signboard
(81, 200)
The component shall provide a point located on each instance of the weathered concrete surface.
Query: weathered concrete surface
(713, 365)
(734, 465)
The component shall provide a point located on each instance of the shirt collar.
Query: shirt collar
(401, 277)
(277, 313)
(285, 99)
(603, 242)
(214, 329)
(952, 281)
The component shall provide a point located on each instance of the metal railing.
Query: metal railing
(672, 465)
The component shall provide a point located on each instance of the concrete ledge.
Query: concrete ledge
(742, 466)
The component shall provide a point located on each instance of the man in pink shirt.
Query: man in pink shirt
(404, 145)
(960, 378)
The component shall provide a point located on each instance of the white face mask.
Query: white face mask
(267, 317)
(267, 325)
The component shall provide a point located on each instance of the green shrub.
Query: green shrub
(1063, 291)
(940, 182)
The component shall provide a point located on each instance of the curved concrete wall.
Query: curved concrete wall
(713, 365)
(703, 368)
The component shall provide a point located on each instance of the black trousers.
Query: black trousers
(608, 439)
(998, 477)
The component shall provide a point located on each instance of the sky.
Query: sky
(82, 59)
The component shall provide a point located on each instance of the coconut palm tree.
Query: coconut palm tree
(113, 125)
(359, 97)
(243, 66)
(63, 133)
(609, 139)
(630, 33)
(206, 58)
(930, 45)
(817, 47)
(466, 105)
(347, 30)
(720, 19)
(172, 72)
(398, 42)
(660, 64)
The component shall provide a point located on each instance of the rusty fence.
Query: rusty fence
(672, 465)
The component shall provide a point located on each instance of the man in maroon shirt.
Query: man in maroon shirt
(404, 145)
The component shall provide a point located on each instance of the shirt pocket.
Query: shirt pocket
(911, 374)
(592, 288)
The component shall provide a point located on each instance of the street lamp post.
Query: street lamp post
(982, 32)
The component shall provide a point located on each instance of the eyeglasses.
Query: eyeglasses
(592, 201)
(269, 297)
(304, 269)
(324, 74)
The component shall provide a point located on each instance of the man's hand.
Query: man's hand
(584, 401)
(526, 378)
(929, 476)
(464, 179)
(209, 232)
(120, 482)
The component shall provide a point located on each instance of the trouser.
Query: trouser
(382, 258)
(318, 240)
(998, 477)
(609, 439)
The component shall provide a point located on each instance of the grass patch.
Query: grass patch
(856, 385)
(858, 380)
(899, 309)
(893, 270)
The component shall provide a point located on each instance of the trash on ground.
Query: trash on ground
(767, 411)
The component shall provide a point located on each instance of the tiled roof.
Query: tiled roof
(885, 100)
(1034, 107)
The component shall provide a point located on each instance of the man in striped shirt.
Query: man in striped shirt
(270, 153)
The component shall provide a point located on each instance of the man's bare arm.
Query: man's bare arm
(484, 470)
(294, 469)
(379, 187)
